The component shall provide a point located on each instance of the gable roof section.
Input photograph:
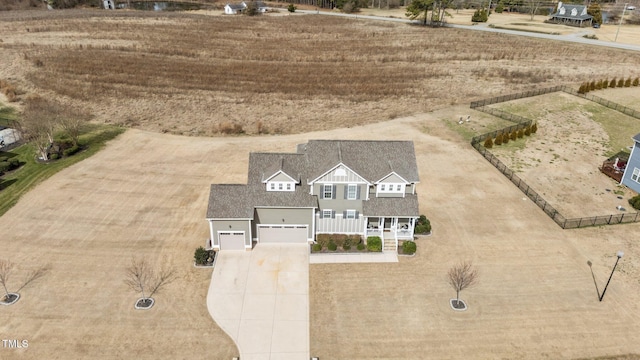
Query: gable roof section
(572, 11)
(347, 170)
(369, 158)
(390, 175)
(636, 138)
(229, 201)
(263, 166)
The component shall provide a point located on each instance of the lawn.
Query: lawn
(18, 182)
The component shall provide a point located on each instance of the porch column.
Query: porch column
(381, 227)
(213, 239)
(394, 226)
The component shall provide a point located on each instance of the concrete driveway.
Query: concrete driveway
(261, 299)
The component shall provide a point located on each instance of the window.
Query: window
(351, 214)
(391, 188)
(327, 192)
(280, 186)
(340, 172)
(352, 192)
(326, 214)
(636, 175)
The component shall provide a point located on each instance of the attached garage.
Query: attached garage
(289, 234)
(231, 240)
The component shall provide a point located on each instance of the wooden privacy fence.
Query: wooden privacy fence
(521, 123)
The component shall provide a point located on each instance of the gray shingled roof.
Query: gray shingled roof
(229, 201)
(407, 206)
(636, 138)
(567, 14)
(373, 160)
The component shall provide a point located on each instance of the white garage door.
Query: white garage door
(283, 234)
(231, 240)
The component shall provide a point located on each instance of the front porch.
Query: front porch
(390, 230)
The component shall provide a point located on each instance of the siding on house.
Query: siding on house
(632, 164)
(231, 225)
(275, 216)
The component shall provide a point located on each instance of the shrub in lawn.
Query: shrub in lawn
(409, 247)
(505, 138)
(323, 239)
(605, 84)
(513, 136)
(316, 247)
(613, 83)
(200, 256)
(374, 243)
(527, 131)
(592, 85)
(480, 15)
(291, 8)
(500, 8)
(4, 166)
(332, 245)
(635, 202)
(621, 82)
(423, 225)
(488, 143)
(534, 128)
(627, 83)
(346, 244)
(498, 140)
(636, 81)
(360, 246)
(70, 151)
(520, 133)
(599, 85)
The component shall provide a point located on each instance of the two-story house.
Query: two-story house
(366, 188)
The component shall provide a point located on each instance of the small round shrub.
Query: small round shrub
(505, 138)
(409, 247)
(374, 243)
(4, 166)
(498, 140)
(605, 84)
(613, 83)
(346, 245)
(332, 246)
(200, 256)
(316, 247)
(520, 133)
(488, 143)
(291, 8)
(360, 246)
(513, 136)
(635, 202)
(636, 81)
(70, 151)
(534, 128)
(527, 131)
(627, 83)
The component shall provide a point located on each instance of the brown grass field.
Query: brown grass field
(196, 75)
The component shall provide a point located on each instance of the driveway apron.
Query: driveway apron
(261, 299)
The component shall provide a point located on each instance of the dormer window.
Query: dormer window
(391, 188)
(280, 186)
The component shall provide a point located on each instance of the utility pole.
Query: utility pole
(620, 23)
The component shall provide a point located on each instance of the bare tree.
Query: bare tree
(141, 277)
(34, 275)
(462, 276)
(39, 120)
(533, 6)
(6, 267)
(72, 122)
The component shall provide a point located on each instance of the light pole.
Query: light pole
(620, 23)
(619, 255)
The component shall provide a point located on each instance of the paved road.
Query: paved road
(575, 38)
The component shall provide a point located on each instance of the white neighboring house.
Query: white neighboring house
(8, 136)
(233, 9)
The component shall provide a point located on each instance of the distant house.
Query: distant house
(365, 188)
(631, 176)
(572, 15)
(232, 9)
